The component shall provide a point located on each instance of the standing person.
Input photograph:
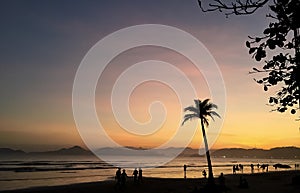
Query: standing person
(222, 182)
(233, 169)
(184, 170)
(241, 167)
(135, 176)
(252, 168)
(204, 173)
(123, 177)
(237, 167)
(140, 175)
(118, 176)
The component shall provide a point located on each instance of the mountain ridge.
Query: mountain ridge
(289, 152)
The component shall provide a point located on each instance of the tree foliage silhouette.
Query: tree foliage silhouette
(279, 46)
(203, 110)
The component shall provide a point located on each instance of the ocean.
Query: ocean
(25, 173)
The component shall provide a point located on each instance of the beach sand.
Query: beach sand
(273, 182)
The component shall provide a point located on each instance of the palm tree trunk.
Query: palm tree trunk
(210, 171)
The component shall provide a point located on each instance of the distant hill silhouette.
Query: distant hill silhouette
(8, 152)
(275, 153)
(73, 151)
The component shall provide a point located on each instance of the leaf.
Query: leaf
(271, 100)
(290, 45)
(281, 110)
(259, 81)
(252, 50)
(267, 31)
(271, 44)
(273, 8)
(257, 57)
(248, 44)
(263, 54)
(265, 88)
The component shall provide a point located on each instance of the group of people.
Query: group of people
(240, 167)
(237, 167)
(121, 177)
(263, 167)
(137, 176)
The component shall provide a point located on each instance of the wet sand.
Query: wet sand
(273, 182)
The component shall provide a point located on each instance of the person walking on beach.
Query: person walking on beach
(184, 170)
(118, 176)
(123, 178)
(252, 168)
(241, 167)
(233, 169)
(204, 173)
(140, 175)
(237, 167)
(135, 176)
(222, 182)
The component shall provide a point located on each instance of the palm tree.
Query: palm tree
(203, 110)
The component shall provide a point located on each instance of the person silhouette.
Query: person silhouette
(184, 170)
(237, 167)
(135, 176)
(140, 175)
(204, 173)
(222, 181)
(241, 167)
(118, 176)
(252, 168)
(123, 177)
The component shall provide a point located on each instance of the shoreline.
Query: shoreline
(275, 182)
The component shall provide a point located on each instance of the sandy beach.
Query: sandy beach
(273, 182)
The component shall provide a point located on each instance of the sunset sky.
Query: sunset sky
(44, 42)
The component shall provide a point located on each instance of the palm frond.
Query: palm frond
(205, 102)
(214, 113)
(197, 103)
(213, 106)
(192, 109)
(189, 117)
(212, 117)
(205, 121)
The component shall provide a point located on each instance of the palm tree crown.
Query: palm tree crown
(202, 110)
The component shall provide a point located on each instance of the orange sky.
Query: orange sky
(38, 67)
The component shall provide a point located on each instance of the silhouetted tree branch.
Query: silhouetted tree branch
(238, 7)
(282, 69)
